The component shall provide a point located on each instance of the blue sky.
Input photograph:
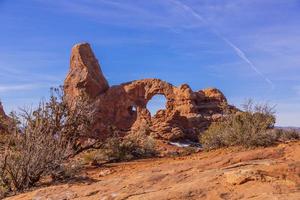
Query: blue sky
(246, 48)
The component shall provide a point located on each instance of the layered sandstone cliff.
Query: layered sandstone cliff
(124, 107)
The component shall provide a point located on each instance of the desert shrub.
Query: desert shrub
(66, 171)
(287, 135)
(250, 128)
(131, 147)
(136, 145)
(40, 140)
(3, 140)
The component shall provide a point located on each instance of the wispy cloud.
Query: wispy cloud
(235, 48)
(297, 90)
(21, 87)
(243, 56)
(222, 42)
(29, 67)
(157, 14)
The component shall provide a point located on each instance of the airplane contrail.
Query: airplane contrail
(243, 56)
(235, 48)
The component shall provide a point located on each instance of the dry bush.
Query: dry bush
(40, 141)
(136, 145)
(3, 140)
(66, 171)
(287, 135)
(250, 128)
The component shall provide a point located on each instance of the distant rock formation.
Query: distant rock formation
(4, 119)
(124, 107)
(2, 113)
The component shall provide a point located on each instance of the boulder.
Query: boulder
(123, 108)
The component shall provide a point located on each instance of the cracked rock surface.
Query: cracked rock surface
(266, 173)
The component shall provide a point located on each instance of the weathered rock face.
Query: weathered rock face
(4, 119)
(85, 76)
(2, 113)
(124, 107)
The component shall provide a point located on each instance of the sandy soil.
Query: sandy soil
(266, 173)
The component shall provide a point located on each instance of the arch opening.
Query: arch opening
(132, 110)
(156, 103)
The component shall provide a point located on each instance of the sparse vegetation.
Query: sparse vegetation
(134, 146)
(287, 135)
(39, 141)
(251, 128)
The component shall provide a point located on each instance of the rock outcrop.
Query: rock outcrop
(257, 174)
(2, 113)
(4, 119)
(85, 76)
(123, 108)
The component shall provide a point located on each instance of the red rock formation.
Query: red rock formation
(124, 107)
(257, 174)
(85, 76)
(2, 113)
(4, 119)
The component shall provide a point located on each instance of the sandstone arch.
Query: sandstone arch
(157, 103)
(141, 91)
(187, 112)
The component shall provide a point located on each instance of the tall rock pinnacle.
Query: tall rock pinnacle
(85, 76)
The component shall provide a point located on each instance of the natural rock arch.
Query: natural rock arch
(124, 107)
(157, 103)
(141, 91)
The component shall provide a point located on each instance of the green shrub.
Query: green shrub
(250, 128)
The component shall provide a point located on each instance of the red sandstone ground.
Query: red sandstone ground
(265, 173)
